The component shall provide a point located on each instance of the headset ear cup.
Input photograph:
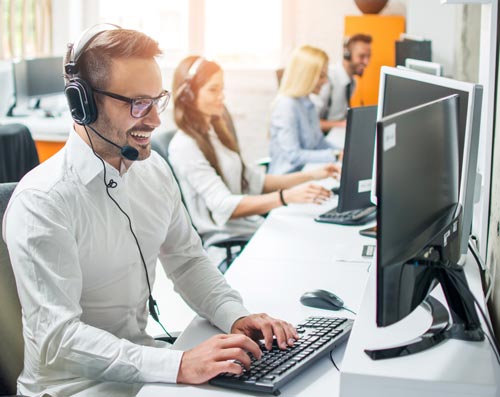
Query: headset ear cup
(187, 95)
(81, 101)
(347, 54)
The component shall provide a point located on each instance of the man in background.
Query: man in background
(334, 97)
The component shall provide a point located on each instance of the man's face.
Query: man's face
(130, 78)
(360, 57)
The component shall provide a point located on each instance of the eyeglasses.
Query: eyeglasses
(140, 107)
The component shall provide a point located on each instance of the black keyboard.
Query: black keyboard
(354, 217)
(318, 336)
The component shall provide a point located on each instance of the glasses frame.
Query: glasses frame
(132, 101)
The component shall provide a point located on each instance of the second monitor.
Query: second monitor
(354, 206)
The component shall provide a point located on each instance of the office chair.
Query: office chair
(11, 329)
(159, 142)
(18, 153)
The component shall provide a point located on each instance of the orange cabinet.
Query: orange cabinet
(385, 30)
(47, 149)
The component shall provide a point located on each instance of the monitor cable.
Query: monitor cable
(487, 278)
(463, 288)
(152, 305)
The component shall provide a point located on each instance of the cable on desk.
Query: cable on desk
(333, 362)
(349, 310)
(493, 341)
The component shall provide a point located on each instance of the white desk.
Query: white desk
(291, 254)
(49, 129)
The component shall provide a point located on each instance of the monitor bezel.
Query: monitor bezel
(469, 163)
(435, 69)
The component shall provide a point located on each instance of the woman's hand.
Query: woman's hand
(328, 170)
(306, 193)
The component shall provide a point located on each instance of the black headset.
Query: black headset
(78, 92)
(186, 90)
(347, 49)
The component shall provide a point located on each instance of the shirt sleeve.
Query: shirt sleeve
(44, 256)
(256, 178)
(192, 167)
(195, 278)
(285, 129)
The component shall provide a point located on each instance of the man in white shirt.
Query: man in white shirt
(334, 97)
(84, 231)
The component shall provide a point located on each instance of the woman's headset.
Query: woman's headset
(186, 93)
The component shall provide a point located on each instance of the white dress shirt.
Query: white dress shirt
(79, 276)
(211, 201)
(333, 93)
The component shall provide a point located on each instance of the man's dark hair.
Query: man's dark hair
(364, 38)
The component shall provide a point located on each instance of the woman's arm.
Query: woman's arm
(275, 182)
(262, 203)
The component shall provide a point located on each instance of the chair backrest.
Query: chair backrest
(160, 141)
(11, 329)
(18, 153)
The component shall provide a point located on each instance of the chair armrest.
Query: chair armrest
(168, 339)
(264, 161)
(233, 241)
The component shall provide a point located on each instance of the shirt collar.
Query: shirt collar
(342, 74)
(85, 162)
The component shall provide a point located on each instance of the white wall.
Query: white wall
(431, 20)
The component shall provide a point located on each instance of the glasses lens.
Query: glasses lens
(142, 106)
(162, 101)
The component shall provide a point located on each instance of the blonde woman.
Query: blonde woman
(222, 193)
(296, 136)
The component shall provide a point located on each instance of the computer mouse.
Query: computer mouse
(322, 299)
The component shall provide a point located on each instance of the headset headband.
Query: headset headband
(193, 69)
(76, 50)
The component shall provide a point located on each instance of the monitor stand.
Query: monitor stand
(465, 324)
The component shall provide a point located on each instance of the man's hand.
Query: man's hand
(258, 326)
(215, 356)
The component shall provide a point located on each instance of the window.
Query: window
(243, 32)
(233, 32)
(165, 21)
(25, 28)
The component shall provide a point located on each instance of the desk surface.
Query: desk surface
(48, 129)
(291, 254)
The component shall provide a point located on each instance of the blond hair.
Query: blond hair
(302, 71)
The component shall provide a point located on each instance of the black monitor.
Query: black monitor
(415, 49)
(418, 221)
(36, 78)
(403, 89)
(356, 177)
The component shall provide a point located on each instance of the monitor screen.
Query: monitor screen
(417, 190)
(38, 77)
(402, 89)
(356, 177)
